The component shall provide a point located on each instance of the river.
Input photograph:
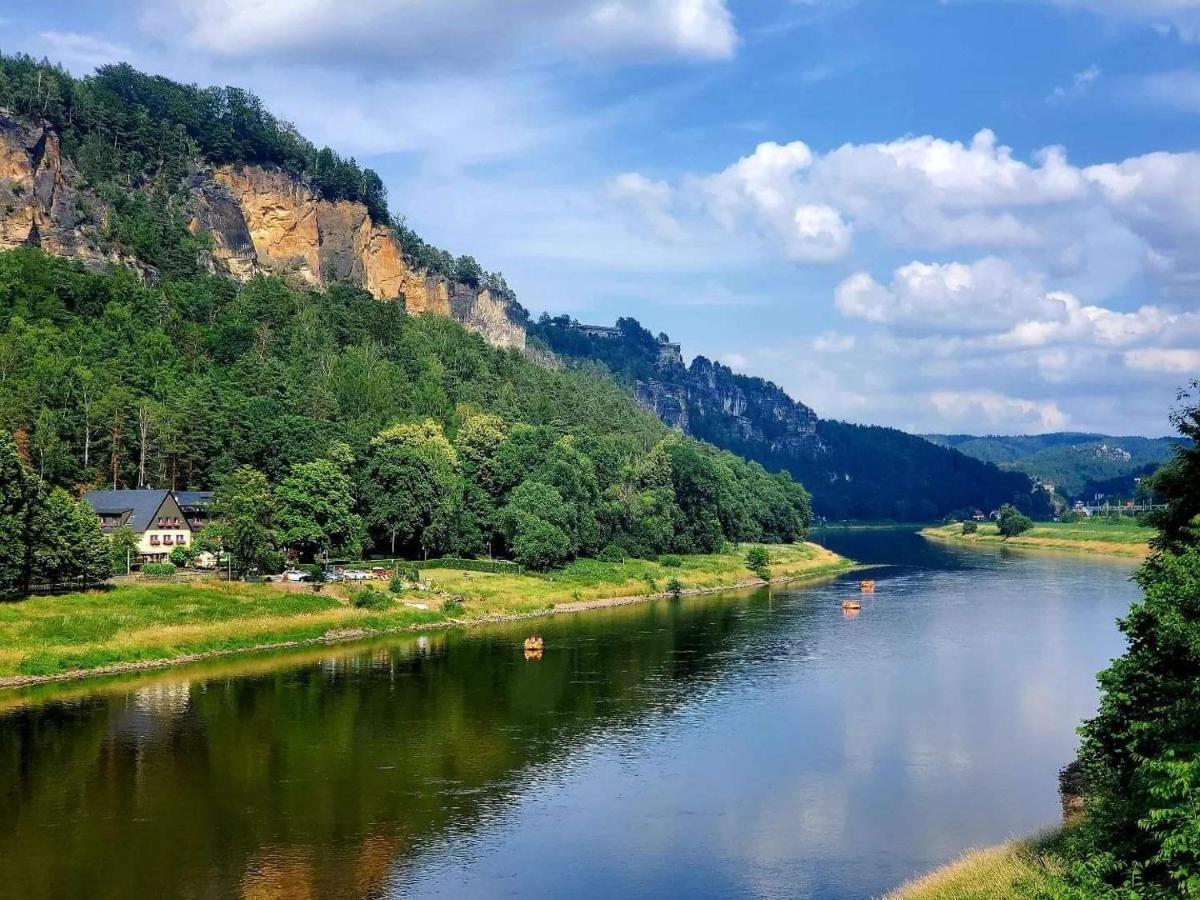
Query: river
(762, 744)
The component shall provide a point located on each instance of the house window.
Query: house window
(168, 540)
(181, 539)
(154, 540)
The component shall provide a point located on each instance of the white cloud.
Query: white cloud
(450, 33)
(991, 412)
(1178, 90)
(946, 298)
(1172, 361)
(651, 200)
(1079, 85)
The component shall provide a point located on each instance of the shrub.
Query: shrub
(611, 554)
(398, 583)
(494, 566)
(1012, 521)
(970, 527)
(758, 562)
(651, 583)
(369, 598)
(315, 572)
(675, 588)
(1069, 517)
(181, 556)
(670, 562)
(452, 606)
(158, 570)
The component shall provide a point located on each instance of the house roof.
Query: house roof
(142, 505)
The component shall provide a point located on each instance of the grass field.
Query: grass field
(1092, 537)
(150, 622)
(1014, 871)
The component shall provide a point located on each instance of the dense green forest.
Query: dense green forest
(1078, 465)
(1139, 763)
(853, 471)
(367, 427)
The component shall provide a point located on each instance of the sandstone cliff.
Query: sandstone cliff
(257, 220)
(43, 201)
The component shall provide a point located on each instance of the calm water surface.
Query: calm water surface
(755, 745)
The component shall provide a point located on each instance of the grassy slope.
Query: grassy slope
(147, 622)
(1021, 869)
(1091, 537)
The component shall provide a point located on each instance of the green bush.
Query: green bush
(1069, 517)
(453, 607)
(670, 562)
(370, 598)
(181, 556)
(970, 527)
(1012, 521)
(158, 570)
(611, 554)
(398, 583)
(675, 588)
(314, 571)
(758, 561)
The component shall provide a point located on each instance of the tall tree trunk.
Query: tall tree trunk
(144, 421)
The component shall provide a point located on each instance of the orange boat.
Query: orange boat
(851, 603)
(535, 644)
(867, 587)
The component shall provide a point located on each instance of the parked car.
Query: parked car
(296, 575)
(357, 575)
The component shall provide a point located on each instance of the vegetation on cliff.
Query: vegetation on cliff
(371, 426)
(854, 471)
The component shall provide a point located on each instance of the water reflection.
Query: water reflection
(764, 745)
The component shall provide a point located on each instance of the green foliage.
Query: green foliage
(331, 422)
(494, 566)
(675, 588)
(670, 561)
(159, 570)
(1069, 517)
(611, 553)
(453, 607)
(370, 598)
(970, 527)
(758, 561)
(1140, 755)
(122, 550)
(1012, 521)
(181, 556)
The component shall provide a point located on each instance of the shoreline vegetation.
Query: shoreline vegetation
(1011, 871)
(1130, 541)
(153, 625)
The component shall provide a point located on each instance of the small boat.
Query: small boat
(867, 587)
(535, 643)
(851, 603)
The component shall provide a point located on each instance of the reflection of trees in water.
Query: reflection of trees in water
(319, 779)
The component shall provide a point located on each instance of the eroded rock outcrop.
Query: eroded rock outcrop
(258, 221)
(43, 201)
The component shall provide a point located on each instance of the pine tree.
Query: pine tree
(14, 521)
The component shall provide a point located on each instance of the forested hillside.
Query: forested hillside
(853, 471)
(369, 424)
(1078, 465)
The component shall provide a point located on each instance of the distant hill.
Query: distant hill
(853, 471)
(1079, 465)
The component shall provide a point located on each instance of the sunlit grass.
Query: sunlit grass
(1014, 871)
(1098, 537)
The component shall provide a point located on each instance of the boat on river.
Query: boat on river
(535, 643)
(851, 603)
(867, 586)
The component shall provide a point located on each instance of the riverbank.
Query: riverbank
(1018, 870)
(1130, 541)
(151, 625)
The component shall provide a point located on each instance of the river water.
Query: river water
(753, 745)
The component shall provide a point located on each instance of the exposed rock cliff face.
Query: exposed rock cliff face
(258, 220)
(43, 202)
(262, 220)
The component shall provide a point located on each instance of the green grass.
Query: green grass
(137, 623)
(1096, 537)
(487, 595)
(165, 621)
(1013, 871)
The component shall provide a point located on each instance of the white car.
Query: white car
(357, 575)
(296, 575)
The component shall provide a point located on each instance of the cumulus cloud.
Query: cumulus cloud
(1173, 361)
(650, 200)
(992, 412)
(1103, 225)
(82, 52)
(457, 32)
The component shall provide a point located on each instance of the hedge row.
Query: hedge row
(494, 566)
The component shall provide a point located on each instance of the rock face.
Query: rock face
(258, 221)
(266, 221)
(43, 201)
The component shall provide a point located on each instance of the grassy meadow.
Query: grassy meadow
(156, 622)
(1123, 539)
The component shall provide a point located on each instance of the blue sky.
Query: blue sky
(953, 215)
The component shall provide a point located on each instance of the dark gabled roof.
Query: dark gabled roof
(193, 498)
(143, 505)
